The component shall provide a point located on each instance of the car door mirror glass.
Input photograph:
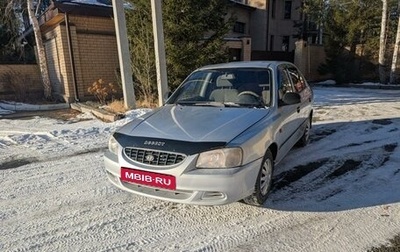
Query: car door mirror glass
(291, 98)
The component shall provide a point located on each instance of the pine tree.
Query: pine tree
(140, 36)
(194, 36)
(350, 28)
(194, 32)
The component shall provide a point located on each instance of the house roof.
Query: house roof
(106, 3)
(104, 7)
(85, 7)
(242, 5)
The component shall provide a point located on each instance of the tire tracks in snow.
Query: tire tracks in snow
(15, 163)
(341, 167)
(334, 173)
(83, 212)
(31, 144)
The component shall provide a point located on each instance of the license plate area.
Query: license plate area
(146, 178)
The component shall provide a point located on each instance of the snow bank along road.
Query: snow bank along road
(340, 193)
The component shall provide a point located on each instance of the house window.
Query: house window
(288, 10)
(241, 1)
(235, 54)
(285, 43)
(273, 7)
(239, 27)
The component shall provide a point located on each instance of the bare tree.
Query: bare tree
(41, 53)
(396, 50)
(382, 43)
(44, 71)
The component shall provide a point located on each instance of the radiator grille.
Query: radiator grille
(153, 157)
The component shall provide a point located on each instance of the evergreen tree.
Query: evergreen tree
(314, 12)
(140, 36)
(8, 26)
(194, 32)
(194, 36)
(350, 29)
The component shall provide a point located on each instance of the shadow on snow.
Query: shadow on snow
(346, 166)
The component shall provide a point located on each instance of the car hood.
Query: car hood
(195, 123)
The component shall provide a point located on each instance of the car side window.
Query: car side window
(297, 79)
(284, 83)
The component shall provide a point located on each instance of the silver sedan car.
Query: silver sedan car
(218, 137)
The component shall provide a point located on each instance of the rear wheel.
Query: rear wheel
(263, 182)
(305, 139)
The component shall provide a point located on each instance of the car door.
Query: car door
(301, 87)
(288, 132)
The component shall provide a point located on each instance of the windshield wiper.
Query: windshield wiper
(185, 103)
(207, 104)
(210, 104)
(248, 105)
(219, 104)
(231, 104)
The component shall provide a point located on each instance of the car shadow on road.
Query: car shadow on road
(347, 165)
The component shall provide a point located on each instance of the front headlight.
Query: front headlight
(221, 158)
(113, 145)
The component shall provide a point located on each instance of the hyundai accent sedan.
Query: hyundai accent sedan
(218, 137)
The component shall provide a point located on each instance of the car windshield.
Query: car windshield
(234, 87)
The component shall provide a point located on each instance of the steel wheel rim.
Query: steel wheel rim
(266, 176)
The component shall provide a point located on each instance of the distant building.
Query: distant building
(271, 27)
(239, 40)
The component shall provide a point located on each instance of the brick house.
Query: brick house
(80, 46)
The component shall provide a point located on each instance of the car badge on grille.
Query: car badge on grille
(149, 158)
(154, 143)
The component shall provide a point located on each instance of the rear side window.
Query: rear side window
(297, 79)
(285, 85)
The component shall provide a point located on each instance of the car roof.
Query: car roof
(245, 64)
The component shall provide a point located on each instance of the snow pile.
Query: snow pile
(340, 193)
(327, 82)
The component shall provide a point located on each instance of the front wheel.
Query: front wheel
(263, 183)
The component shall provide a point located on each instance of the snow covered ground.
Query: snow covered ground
(340, 193)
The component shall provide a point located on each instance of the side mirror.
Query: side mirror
(167, 95)
(291, 98)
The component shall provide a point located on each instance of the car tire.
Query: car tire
(263, 183)
(305, 138)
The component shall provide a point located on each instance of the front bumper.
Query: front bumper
(193, 186)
